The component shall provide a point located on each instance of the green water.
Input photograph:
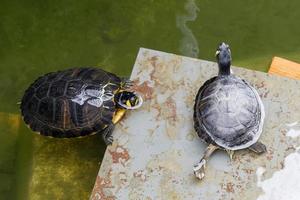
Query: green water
(41, 36)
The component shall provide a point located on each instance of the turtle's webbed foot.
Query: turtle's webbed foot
(109, 140)
(258, 148)
(230, 153)
(199, 169)
(127, 83)
(107, 135)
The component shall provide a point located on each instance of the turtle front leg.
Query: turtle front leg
(107, 134)
(199, 168)
(127, 83)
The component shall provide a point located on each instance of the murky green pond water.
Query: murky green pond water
(41, 36)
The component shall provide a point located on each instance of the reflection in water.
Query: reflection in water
(188, 44)
(15, 157)
(37, 167)
(64, 168)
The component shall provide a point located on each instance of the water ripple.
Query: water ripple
(188, 44)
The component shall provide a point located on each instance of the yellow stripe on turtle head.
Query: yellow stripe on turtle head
(128, 103)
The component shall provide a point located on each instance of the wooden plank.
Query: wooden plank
(284, 67)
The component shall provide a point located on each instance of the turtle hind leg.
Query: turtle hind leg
(258, 148)
(107, 134)
(230, 153)
(199, 168)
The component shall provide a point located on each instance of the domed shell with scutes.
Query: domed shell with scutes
(228, 112)
(71, 103)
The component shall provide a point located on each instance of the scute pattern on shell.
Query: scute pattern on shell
(47, 105)
(227, 112)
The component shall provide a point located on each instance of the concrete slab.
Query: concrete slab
(156, 146)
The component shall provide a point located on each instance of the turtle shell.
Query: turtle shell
(71, 103)
(228, 112)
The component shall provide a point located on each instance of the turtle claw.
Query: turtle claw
(109, 140)
(258, 148)
(107, 135)
(231, 154)
(127, 83)
(199, 169)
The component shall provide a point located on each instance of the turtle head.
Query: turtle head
(223, 55)
(129, 100)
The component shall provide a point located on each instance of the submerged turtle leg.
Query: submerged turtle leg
(126, 83)
(200, 167)
(258, 148)
(107, 134)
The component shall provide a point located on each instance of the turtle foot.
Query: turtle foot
(107, 135)
(230, 153)
(199, 169)
(109, 140)
(127, 83)
(258, 148)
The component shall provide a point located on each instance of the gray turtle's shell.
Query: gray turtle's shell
(228, 112)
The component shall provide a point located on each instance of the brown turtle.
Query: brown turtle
(78, 102)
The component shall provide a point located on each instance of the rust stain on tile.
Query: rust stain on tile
(144, 89)
(269, 155)
(262, 84)
(230, 187)
(170, 111)
(141, 175)
(153, 60)
(171, 131)
(119, 155)
(266, 94)
(248, 171)
(123, 178)
(102, 184)
(161, 72)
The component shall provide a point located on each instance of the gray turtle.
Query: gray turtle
(228, 113)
